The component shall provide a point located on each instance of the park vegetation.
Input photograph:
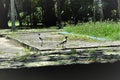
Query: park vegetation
(108, 29)
(38, 13)
(99, 18)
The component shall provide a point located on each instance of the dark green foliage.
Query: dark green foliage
(49, 18)
(81, 10)
(4, 9)
(110, 9)
(35, 13)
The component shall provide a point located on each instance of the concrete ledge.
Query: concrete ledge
(23, 44)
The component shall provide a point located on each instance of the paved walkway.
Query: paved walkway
(51, 39)
(9, 48)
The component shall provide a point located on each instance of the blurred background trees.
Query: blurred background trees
(4, 10)
(39, 13)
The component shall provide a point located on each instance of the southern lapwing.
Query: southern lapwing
(63, 42)
(41, 39)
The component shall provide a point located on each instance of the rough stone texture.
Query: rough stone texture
(9, 48)
(14, 55)
(51, 39)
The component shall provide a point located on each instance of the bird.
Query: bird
(41, 39)
(63, 42)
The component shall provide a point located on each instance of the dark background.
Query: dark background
(107, 71)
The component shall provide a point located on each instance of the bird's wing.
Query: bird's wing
(62, 42)
(40, 38)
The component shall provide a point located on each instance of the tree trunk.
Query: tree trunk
(98, 10)
(119, 8)
(59, 14)
(4, 8)
(12, 14)
(17, 11)
(49, 18)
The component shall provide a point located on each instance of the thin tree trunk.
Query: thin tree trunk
(4, 8)
(98, 10)
(119, 8)
(18, 16)
(94, 11)
(59, 14)
(12, 14)
(49, 18)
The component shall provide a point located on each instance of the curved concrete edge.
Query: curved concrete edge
(59, 50)
(32, 48)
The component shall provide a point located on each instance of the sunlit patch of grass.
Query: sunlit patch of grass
(106, 29)
(16, 23)
(13, 34)
(116, 36)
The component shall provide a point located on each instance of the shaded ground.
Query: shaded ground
(106, 71)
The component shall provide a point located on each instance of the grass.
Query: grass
(107, 29)
(81, 38)
(16, 23)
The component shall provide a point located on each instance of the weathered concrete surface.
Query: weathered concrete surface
(9, 48)
(16, 57)
(51, 39)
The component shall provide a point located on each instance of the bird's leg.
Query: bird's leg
(41, 43)
(63, 46)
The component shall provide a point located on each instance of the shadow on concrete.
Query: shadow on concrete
(107, 71)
